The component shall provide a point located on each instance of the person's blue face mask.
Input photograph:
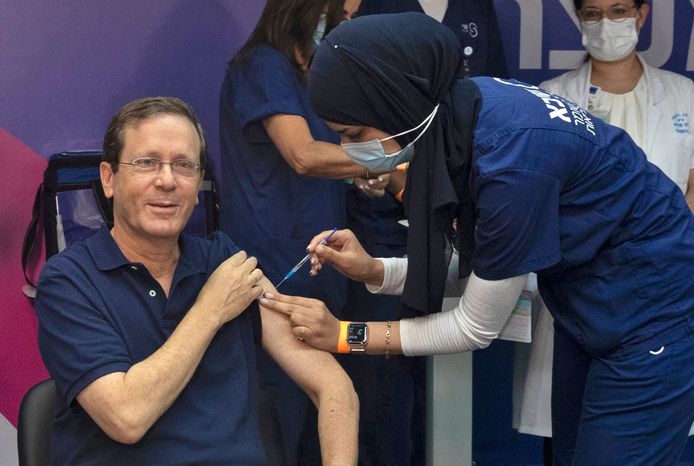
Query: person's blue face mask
(372, 156)
(320, 30)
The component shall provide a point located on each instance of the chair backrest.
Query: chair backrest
(35, 424)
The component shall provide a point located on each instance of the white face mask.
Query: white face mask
(608, 40)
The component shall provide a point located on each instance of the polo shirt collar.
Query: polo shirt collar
(105, 252)
(108, 256)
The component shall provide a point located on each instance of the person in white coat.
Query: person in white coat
(617, 85)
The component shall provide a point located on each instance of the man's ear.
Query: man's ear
(106, 174)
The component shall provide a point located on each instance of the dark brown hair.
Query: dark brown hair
(138, 110)
(288, 25)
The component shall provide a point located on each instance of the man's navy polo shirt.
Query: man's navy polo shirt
(99, 314)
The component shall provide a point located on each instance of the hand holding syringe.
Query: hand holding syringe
(303, 261)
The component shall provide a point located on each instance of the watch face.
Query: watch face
(356, 333)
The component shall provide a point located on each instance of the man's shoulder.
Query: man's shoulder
(217, 244)
(75, 256)
(215, 239)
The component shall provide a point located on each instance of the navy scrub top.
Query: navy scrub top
(271, 211)
(559, 192)
(474, 24)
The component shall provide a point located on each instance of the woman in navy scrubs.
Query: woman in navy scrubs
(531, 182)
(395, 389)
(274, 191)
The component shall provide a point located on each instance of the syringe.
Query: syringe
(303, 261)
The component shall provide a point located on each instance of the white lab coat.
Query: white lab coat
(670, 146)
(670, 103)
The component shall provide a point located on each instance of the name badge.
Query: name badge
(519, 324)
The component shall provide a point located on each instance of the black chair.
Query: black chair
(36, 420)
(34, 425)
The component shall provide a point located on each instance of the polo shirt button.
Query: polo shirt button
(132, 267)
(152, 293)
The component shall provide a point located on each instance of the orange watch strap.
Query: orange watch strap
(342, 346)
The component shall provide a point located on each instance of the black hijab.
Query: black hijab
(389, 72)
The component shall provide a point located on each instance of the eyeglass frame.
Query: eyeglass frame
(603, 15)
(158, 164)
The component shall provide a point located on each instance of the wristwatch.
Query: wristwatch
(357, 336)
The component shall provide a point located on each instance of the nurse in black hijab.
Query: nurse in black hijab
(409, 90)
(518, 180)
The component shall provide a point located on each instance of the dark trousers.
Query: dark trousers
(634, 406)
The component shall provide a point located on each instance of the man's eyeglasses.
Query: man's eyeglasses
(151, 166)
(615, 13)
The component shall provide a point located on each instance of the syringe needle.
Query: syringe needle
(294, 269)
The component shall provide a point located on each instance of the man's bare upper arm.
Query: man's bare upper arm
(309, 367)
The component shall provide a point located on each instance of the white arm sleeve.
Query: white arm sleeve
(394, 274)
(482, 312)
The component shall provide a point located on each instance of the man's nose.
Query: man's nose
(165, 176)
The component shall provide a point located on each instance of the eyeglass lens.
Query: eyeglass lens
(152, 165)
(615, 13)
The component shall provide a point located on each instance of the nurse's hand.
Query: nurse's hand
(311, 320)
(372, 187)
(344, 252)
